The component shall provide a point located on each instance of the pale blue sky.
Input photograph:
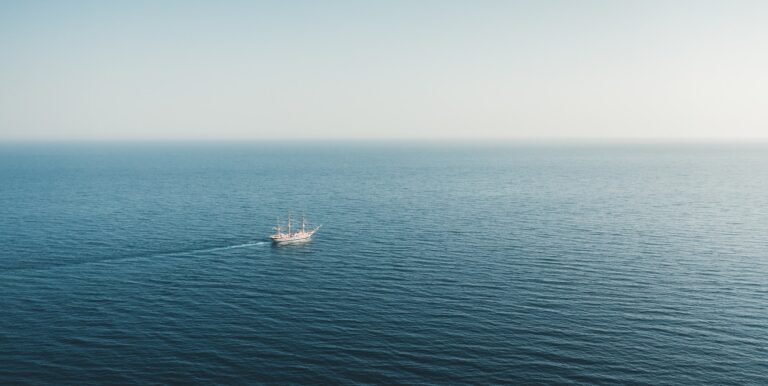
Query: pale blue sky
(362, 69)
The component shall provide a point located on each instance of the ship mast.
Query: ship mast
(289, 222)
(302, 222)
(277, 228)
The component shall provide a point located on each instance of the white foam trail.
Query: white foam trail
(179, 253)
(246, 245)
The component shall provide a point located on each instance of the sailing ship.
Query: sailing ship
(291, 236)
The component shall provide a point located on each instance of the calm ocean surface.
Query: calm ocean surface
(482, 264)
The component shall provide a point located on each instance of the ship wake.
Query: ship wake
(186, 252)
(245, 245)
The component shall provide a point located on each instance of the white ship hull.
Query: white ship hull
(292, 239)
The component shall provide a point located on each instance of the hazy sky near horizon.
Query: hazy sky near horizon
(387, 69)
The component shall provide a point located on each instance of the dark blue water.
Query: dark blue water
(584, 264)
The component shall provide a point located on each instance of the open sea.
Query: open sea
(449, 263)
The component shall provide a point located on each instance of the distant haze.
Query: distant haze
(388, 69)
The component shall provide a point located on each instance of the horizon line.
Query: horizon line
(400, 140)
